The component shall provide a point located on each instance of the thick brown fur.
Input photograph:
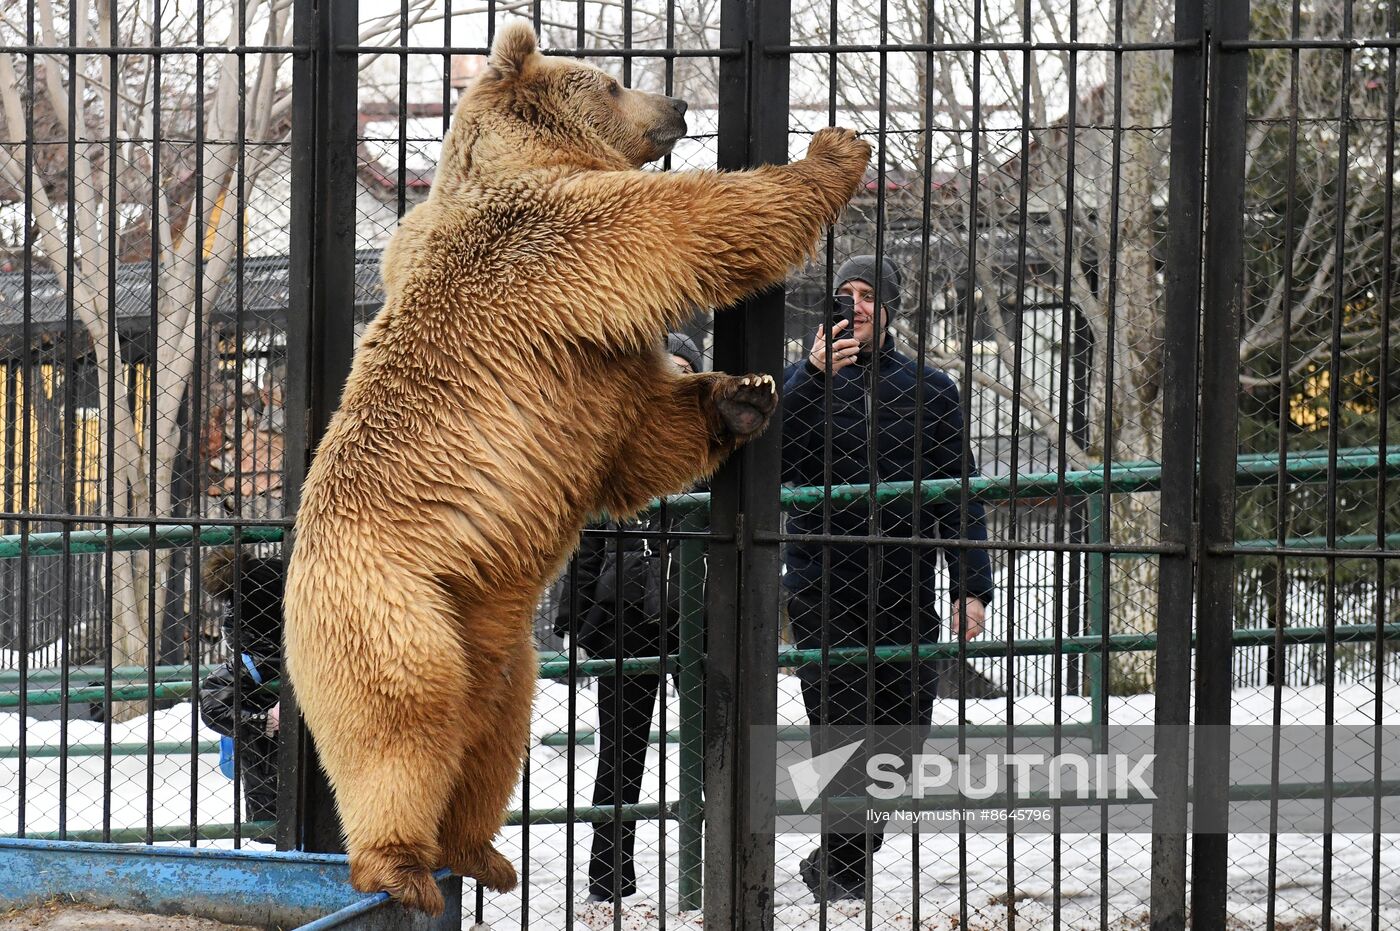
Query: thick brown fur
(512, 386)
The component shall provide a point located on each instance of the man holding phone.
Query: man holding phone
(892, 419)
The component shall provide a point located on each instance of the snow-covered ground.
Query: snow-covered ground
(996, 869)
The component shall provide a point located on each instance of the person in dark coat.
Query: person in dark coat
(873, 387)
(628, 590)
(231, 700)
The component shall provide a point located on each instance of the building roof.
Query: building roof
(265, 296)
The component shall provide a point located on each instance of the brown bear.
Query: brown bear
(513, 385)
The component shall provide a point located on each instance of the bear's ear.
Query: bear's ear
(514, 45)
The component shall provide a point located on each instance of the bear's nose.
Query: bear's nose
(680, 105)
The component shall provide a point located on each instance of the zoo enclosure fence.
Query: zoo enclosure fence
(755, 53)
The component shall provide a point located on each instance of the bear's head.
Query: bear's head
(536, 111)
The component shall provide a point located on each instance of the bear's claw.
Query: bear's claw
(748, 404)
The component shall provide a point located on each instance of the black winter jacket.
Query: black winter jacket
(804, 419)
(636, 591)
(247, 725)
(217, 697)
(240, 711)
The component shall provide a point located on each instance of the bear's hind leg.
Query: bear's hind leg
(469, 826)
(393, 776)
(489, 770)
(399, 871)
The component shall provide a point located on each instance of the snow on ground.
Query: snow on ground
(553, 873)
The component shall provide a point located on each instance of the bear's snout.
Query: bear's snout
(671, 128)
(670, 117)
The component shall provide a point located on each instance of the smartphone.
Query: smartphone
(844, 309)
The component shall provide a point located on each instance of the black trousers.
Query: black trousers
(259, 771)
(622, 742)
(896, 698)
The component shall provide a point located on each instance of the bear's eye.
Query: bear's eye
(615, 89)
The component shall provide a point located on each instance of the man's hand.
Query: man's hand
(968, 617)
(843, 351)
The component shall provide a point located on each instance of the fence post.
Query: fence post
(691, 662)
(1215, 604)
(1180, 403)
(320, 332)
(1094, 665)
(742, 598)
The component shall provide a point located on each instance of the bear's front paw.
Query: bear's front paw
(746, 402)
(841, 146)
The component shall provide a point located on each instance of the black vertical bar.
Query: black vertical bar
(10, 484)
(1176, 572)
(916, 528)
(195, 407)
(875, 553)
(1062, 434)
(323, 247)
(1279, 652)
(402, 186)
(969, 334)
(668, 549)
(151, 375)
(571, 754)
(1017, 381)
(619, 692)
(615, 826)
(824, 679)
(1104, 533)
(1382, 499)
(824, 687)
(302, 152)
(742, 597)
(1334, 430)
(446, 65)
(571, 748)
(1215, 604)
(26, 413)
(70, 414)
(240, 212)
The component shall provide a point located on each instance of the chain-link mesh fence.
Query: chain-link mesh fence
(991, 454)
(144, 182)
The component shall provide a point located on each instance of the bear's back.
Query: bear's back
(517, 439)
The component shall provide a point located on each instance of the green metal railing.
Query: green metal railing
(159, 748)
(58, 542)
(1252, 470)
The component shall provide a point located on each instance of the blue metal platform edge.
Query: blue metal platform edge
(273, 889)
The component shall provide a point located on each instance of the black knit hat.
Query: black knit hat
(678, 344)
(862, 268)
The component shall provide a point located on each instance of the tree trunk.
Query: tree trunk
(1136, 332)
